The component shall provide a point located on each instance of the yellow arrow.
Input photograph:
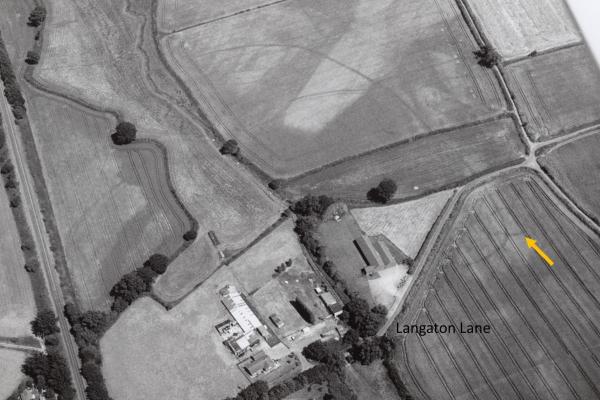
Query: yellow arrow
(532, 244)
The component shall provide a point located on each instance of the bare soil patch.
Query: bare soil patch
(405, 224)
(518, 27)
(558, 92)
(420, 167)
(297, 97)
(544, 320)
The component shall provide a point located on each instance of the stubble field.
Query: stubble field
(302, 84)
(113, 205)
(575, 167)
(545, 333)
(557, 93)
(420, 167)
(518, 27)
(91, 52)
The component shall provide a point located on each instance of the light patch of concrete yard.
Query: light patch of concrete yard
(10, 371)
(405, 224)
(391, 284)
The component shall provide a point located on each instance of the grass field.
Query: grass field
(545, 333)
(371, 382)
(179, 14)
(90, 52)
(113, 206)
(557, 92)
(576, 168)
(405, 224)
(518, 27)
(419, 167)
(154, 354)
(10, 371)
(302, 84)
(17, 305)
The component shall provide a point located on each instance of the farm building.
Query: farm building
(258, 363)
(332, 304)
(238, 345)
(224, 328)
(239, 309)
(277, 321)
(373, 252)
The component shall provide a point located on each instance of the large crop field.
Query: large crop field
(300, 84)
(419, 167)
(91, 52)
(17, 306)
(10, 371)
(575, 167)
(150, 353)
(518, 27)
(113, 206)
(545, 329)
(557, 92)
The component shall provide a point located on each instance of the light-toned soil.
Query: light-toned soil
(179, 14)
(575, 166)
(154, 354)
(372, 382)
(518, 27)
(386, 289)
(557, 93)
(112, 205)
(405, 224)
(17, 305)
(544, 336)
(10, 371)
(419, 167)
(90, 51)
(300, 84)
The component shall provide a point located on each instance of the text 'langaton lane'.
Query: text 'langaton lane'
(425, 329)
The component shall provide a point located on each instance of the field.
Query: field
(154, 354)
(178, 14)
(518, 27)
(545, 333)
(576, 167)
(113, 206)
(10, 371)
(419, 167)
(558, 92)
(405, 224)
(90, 52)
(303, 84)
(371, 382)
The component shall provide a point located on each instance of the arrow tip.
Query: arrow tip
(530, 242)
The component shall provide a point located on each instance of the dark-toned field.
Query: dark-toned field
(545, 321)
(575, 167)
(300, 84)
(558, 92)
(421, 166)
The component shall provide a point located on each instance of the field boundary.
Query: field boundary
(551, 50)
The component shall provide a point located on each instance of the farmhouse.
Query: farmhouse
(258, 363)
(239, 309)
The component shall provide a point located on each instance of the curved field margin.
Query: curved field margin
(575, 168)
(297, 98)
(429, 164)
(113, 205)
(544, 331)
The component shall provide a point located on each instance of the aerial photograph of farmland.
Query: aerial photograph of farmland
(299, 200)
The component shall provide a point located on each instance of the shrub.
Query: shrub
(487, 57)
(33, 57)
(190, 235)
(44, 324)
(230, 147)
(383, 192)
(158, 263)
(275, 184)
(124, 134)
(37, 16)
(32, 266)
(7, 168)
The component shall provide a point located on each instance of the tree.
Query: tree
(190, 235)
(44, 324)
(487, 57)
(230, 147)
(158, 263)
(124, 134)
(33, 57)
(37, 16)
(383, 192)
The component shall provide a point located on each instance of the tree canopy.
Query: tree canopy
(383, 192)
(124, 134)
(44, 324)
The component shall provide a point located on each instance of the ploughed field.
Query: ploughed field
(557, 93)
(545, 321)
(575, 167)
(301, 84)
(419, 167)
(112, 205)
(518, 27)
